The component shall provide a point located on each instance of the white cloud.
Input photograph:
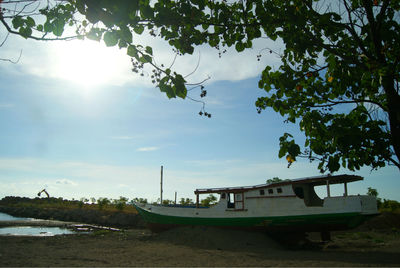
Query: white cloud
(66, 182)
(87, 63)
(92, 64)
(147, 149)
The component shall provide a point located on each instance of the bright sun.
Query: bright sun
(88, 63)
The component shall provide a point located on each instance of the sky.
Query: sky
(76, 121)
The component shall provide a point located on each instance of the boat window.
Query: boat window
(223, 196)
(299, 192)
(307, 193)
(279, 190)
(270, 191)
(262, 192)
(231, 204)
(239, 204)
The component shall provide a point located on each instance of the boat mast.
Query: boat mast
(161, 186)
(175, 198)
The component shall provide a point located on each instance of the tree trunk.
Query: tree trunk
(393, 100)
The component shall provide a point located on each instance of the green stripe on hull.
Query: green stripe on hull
(335, 221)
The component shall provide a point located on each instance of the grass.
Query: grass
(372, 238)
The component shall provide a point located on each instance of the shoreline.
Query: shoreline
(36, 223)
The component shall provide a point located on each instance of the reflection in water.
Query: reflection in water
(30, 230)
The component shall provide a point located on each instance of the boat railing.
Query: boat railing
(228, 189)
(179, 206)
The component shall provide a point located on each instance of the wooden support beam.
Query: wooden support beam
(328, 189)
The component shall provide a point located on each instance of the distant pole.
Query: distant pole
(161, 185)
(175, 198)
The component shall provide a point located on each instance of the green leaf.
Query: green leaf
(110, 39)
(294, 149)
(17, 22)
(126, 35)
(239, 46)
(282, 152)
(146, 11)
(58, 27)
(149, 50)
(25, 32)
(164, 87)
(180, 87)
(138, 29)
(132, 51)
(145, 59)
(94, 34)
(58, 30)
(48, 27)
(30, 22)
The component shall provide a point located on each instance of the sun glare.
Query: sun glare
(89, 64)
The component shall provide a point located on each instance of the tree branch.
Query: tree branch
(16, 61)
(353, 32)
(356, 101)
(375, 34)
(35, 37)
(396, 163)
(381, 14)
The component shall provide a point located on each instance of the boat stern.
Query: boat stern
(369, 205)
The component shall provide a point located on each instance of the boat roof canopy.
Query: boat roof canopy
(314, 181)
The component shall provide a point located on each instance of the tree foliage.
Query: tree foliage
(209, 200)
(120, 203)
(102, 202)
(386, 205)
(186, 201)
(338, 78)
(276, 180)
(372, 192)
(139, 200)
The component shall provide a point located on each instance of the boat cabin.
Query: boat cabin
(235, 198)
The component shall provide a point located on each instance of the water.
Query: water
(6, 217)
(34, 231)
(30, 230)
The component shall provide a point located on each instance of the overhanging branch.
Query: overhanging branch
(35, 37)
(356, 101)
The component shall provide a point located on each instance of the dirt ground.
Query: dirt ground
(199, 246)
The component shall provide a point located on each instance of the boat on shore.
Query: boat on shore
(288, 206)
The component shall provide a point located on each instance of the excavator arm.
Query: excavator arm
(44, 191)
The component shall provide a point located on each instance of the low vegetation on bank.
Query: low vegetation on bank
(104, 204)
(384, 205)
(105, 212)
(123, 204)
